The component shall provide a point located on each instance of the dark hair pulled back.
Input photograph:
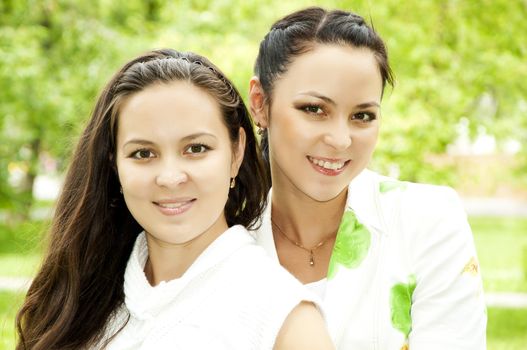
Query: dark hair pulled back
(300, 31)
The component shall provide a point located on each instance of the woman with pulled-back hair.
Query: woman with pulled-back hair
(148, 248)
(393, 261)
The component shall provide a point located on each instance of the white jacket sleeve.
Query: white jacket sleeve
(448, 309)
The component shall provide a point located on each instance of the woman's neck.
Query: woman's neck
(304, 219)
(168, 261)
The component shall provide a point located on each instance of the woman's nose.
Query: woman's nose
(171, 176)
(338, 136)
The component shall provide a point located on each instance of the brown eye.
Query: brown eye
(364, 117)
(313, 109)
(143, 154)
(197, 149)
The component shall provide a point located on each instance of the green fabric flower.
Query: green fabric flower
(351, 246)
(387, 186)
(401, 305)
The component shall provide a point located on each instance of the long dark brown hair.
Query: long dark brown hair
(80, 283)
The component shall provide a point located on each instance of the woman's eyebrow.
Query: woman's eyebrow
(138, 142)
(197, 135)
(330, 101)
(187, 138)
(368, 104)
(318, 95)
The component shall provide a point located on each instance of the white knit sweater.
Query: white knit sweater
(232, 297)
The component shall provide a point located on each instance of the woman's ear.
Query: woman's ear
(238, 153)
(257, 103)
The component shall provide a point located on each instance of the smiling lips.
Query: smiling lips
(174, 207)
(328, 166)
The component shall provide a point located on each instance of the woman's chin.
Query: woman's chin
(326, 195)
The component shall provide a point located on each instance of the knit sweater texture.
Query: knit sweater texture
(232, 297)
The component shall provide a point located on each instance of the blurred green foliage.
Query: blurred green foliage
(21, 248)
(506, 329)
(502, 248)
(450, 58)
(9, 304)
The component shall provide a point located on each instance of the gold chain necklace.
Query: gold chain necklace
(311, 250)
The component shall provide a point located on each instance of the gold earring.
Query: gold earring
(260, 130)
(233, 182)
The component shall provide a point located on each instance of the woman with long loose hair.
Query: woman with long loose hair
(148, 247)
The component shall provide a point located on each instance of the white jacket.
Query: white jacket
(403, 272)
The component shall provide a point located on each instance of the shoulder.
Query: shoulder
(414, 203)
(255, 272)
(385, 186)
(423, 205)
(431, 224)
(385, 202)
(265, 297)
(415, 213)
(260, 270)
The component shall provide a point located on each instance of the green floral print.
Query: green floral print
(401, 304)
(351, 246)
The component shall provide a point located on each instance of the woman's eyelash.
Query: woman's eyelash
(145, 153)
(366, 116)
(142, 153)
(316, 109)
(312, 108)
(197, 148)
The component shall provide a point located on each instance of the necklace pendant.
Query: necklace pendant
(311, 259)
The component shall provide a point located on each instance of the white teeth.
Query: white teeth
(170, 205)
(326, 164)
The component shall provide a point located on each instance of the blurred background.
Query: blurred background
(457, 115)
